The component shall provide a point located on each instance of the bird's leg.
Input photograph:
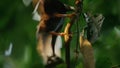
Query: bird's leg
(60, 34)
(64, 15)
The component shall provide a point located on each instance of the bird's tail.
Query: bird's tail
(44, 47)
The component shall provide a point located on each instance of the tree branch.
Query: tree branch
(67, 38)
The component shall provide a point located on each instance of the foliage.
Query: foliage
(17, 26)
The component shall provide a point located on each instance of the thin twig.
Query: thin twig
(68, 39)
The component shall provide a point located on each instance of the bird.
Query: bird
(46, 46)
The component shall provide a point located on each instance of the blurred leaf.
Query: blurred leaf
(103, 62)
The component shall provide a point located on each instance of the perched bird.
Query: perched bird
(46, 41)
(48, 45)
(94, 24)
